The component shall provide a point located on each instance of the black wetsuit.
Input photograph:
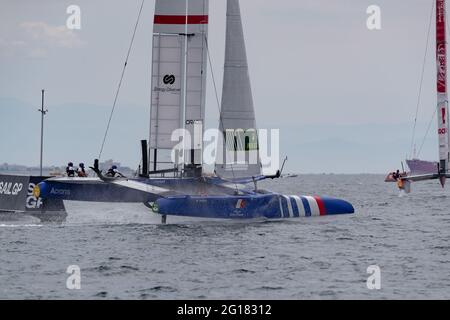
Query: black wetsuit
(114, 173)
(70, 172)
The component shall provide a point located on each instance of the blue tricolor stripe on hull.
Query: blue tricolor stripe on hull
(294, 206)
(281, 207)
(284, 206)
(289, 206)
(300, 206)
(306, 207)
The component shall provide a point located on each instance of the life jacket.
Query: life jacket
(70, 172)
(81, 172)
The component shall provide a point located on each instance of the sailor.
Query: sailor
(114, 172)
(70, 170)
(81, 171)
(396, 175)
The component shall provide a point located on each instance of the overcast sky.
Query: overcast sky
(344, 97)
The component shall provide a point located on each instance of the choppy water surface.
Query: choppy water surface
(124, 253)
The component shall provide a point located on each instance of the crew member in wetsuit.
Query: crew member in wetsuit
(114, 173)
(396, 175)
(70, 170)
(81, 171)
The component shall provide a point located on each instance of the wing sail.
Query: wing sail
(178, 76)
(240, 149)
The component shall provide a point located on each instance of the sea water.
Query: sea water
(122, 251)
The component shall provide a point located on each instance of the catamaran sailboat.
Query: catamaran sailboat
(180, 56)
(441, 171)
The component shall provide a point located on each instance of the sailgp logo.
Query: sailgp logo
(169, 79)
(10, 188)
(33, 197)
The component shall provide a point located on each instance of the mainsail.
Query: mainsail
(240, 157)
(442, 93)
(179, 76)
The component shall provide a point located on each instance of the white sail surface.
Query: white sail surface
(442, 88)
(178, 74)
(240, 156)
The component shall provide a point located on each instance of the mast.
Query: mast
(442, 88)
(43, 113)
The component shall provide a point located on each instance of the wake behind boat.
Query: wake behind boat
(182, 188)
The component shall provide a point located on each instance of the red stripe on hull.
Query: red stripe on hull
(159, 19)
(321, 204)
